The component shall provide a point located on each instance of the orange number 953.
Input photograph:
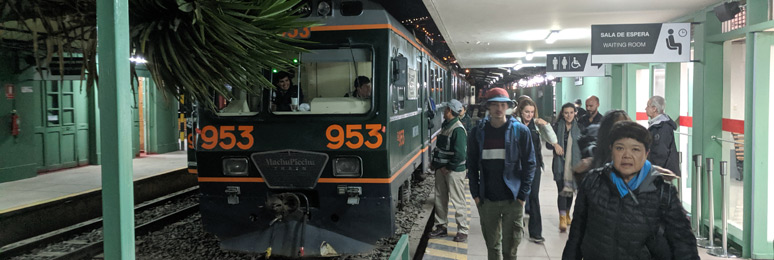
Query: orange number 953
(351, 136)
(224, 137)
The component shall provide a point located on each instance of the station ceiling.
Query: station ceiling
(499, 33)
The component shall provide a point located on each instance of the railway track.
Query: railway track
(84, 245)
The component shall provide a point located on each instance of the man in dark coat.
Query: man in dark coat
(592, 115)
(663, 152)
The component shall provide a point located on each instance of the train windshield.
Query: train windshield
(240, 103)
(330, 81)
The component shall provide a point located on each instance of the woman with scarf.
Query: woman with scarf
(527, 114)
(566, 155)
(625, 209)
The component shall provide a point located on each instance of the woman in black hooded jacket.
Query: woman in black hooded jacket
(625, 209)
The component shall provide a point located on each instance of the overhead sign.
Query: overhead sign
(636, 43)
(573, 65)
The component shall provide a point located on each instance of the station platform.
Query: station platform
(55, 185)
(475, 248)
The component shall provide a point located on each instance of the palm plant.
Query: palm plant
(192, 46)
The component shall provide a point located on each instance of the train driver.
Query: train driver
(362, 88)
(282, 98)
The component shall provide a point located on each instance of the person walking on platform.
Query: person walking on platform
(566, 155)
(626, 210)
(664, 150)
(579, 106)
(592, 115)
(597, 143)
(501, 165)
(541, 132)
(449, 165)
(467, 122)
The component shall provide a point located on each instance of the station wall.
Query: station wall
(59, 122)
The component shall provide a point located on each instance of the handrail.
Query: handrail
(401, 251)
(676, 132)
(715, 138)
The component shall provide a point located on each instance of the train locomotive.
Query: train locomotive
(327, 177)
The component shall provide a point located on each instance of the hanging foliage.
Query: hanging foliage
(192, 46)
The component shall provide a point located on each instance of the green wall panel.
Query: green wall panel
(18, 158)
(598, 86)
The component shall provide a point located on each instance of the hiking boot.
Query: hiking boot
(562, 223)
(537, 239)
(569, 221)
(439, 231)
(460, 237)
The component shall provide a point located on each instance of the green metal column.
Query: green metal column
(95, 146)
(617, 85)
(560, 88)
(672, 90)
(707, 106)
(758, 145)
(115, 115)
(630, 95)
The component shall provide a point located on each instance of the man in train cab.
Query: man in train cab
(362, 88)
(282, 98)
(449, 165)
(579, 107)
(592, 116)
(501, 165)
(663, 151)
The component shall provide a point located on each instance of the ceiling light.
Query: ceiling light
(529, 55)
(552, 36)
(138, 60)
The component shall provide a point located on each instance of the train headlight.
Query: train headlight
(347, 167)
(235, 166)
(324, 8)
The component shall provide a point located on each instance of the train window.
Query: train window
(238, 102)
(351, 8)
(327, 79)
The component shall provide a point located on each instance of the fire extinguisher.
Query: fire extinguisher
(15, 122)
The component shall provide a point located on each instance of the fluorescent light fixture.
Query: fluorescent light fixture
(138, 60)
(529, 55)
(518, 66)
(552, 36)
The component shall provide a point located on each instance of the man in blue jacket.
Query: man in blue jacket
(501, 165)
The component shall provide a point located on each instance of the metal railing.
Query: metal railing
(401, 251)
(715, 138)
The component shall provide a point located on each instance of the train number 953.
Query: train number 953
(353, 136)
(225, 137)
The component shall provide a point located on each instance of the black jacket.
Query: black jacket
(606, 226)
(584, 120)
(663, 151)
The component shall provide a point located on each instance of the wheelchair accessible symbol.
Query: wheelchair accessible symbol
(575, 64)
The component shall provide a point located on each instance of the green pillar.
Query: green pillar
(560, 88)
(617, 86)
(672, 90)
(707, 106)
(757, 148)
(95, 155)
(630, 89)
(115, 116)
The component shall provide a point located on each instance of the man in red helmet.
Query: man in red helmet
(501, 166)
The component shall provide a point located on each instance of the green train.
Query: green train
(327, 177)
